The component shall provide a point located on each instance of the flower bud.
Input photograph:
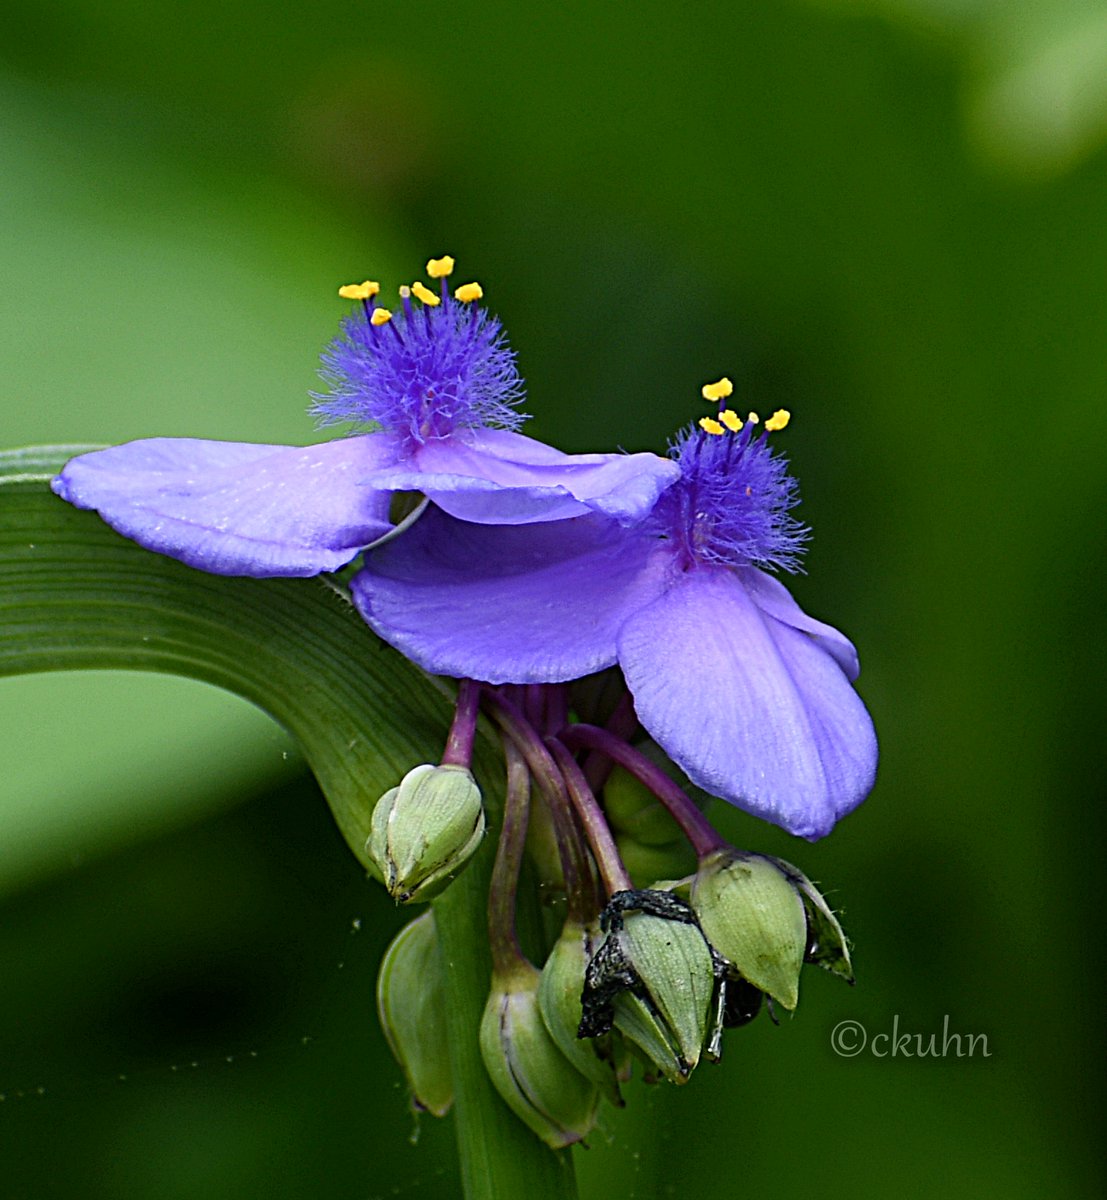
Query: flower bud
(647, 864)
(634, 810)
(536, 1081)
(559, 992)
(653, 978)
(424, 831)
(411, 1004)
(751, 912)
(827, 946)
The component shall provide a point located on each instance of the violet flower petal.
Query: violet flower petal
(508, 604)
(496, 477)
(235, 508)
(752, 709)
(774, 599)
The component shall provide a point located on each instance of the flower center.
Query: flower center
(731, 506)
(431, 368)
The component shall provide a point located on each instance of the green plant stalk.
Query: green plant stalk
(499, 1155)
(75, 595)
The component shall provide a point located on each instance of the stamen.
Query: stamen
(439, 268)
(753, 418)
(709, 425)
(719, 390)
(425, 294)
(443, 366)
(359, 291)
(731, 419)
(778, 420)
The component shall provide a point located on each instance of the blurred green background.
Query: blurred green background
(888, 217)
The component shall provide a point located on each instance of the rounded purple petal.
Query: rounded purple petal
(508, 604)
(774, 599)
(753, 709)
(496, 477)
(235, 508)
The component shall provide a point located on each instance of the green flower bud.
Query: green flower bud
(424, 831)
(411, 1004)
(537, 1081)
(559, 992)
(751, 912)
(654, 979)
(646, 864)
(634, 810)
(827, 946)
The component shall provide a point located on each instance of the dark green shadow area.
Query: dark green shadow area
(195, 1017)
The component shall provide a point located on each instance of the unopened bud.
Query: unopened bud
(647, 864)
(537, 1081)
(559, 993)
(751, 912)
(633, 809)
(411, 1004)
(653, 978)
(424, 831)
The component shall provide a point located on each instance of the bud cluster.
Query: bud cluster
(671, 936)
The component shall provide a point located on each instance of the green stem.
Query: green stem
(499, 1156)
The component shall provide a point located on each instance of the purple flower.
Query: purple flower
(436, 389)
(748, 694)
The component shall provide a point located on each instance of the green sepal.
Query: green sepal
(827, 944)
(411, 1004)
(536, 1081)
(751, 912)
(559, 992)
(673, 962)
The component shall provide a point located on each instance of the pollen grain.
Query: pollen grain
(424, 293)
(359, 291)
(719, 390)
(731, 419)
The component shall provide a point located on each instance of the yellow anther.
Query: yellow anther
(753, 418)
(380, 316)
(710, 425)
(439, 267)
(731, 419)
(468, 292)
(425, 294)
(778, 420)
(718, 390)
(359, 291)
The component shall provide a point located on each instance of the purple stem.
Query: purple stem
(504, 884)
(604, 850)
(579, 881)
(557, 707)
(623, 724)
(534, 705)
(695, 826)
(459, 744)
